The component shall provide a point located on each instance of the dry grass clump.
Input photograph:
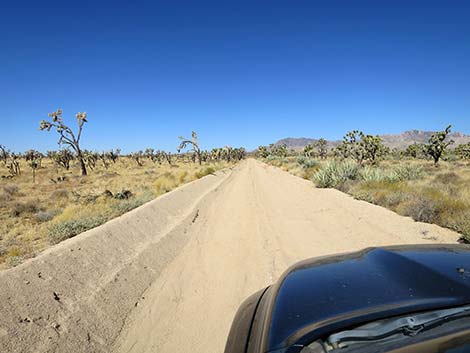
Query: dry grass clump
(203, 172)
(62, 204)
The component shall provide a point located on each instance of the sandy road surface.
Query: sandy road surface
(169, 276)
(260, 221)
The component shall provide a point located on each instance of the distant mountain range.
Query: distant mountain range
(400, 141)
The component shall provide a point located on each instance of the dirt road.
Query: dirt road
(169, 276)
(260, 221)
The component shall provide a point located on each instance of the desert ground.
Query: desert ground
(169, 276)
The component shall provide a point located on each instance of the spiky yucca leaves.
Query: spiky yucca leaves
(67, 136)
(334, 173)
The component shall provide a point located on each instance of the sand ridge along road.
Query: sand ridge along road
(169, 276)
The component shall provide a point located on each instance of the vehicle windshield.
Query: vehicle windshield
(393, 329)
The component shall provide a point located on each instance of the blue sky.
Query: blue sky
(239, 72)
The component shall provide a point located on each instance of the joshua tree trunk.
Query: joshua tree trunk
(82, 162)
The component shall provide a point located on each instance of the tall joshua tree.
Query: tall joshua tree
(437, 144)
(322, 148)
(67, 136)
(194, 143)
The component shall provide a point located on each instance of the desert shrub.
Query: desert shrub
(307, 162)
(461, 224)
(276, 160)
(163, 185)
(408, 172)
(430, 205)
(206, 171)
(44, 216)
(68, 229)
(182, 177)
(127, 205)
(423, 209)
(393, 199)
(59, 194)
(4, 198)
(28, 207)
(301, 160)
(311, 164)
(13, 261)
(123, 195)
(335, 173)
(371, 174)
(10, 189)
(364, 195)
(447, 178)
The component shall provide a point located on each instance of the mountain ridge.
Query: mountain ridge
(400, 141)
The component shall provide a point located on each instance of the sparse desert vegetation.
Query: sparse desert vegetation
(428, 182)
(46, 198)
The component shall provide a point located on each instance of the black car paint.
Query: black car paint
(320, 296)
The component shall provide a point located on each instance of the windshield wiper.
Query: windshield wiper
(409, 325)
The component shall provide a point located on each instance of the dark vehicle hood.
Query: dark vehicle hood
(323, 295)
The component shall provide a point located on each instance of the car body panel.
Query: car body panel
(320, 296)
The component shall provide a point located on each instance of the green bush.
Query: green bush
(68, 229)
(370, 174)
(44, 216)
(307, 162)
(334, 173)
(126, 205)
(408, 172)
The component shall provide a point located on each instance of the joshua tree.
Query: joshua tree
(263, 151)
(309, 150)
(90, 158)
(373, 148)
(167, 156)
(321, 146)
(193, 142)
(349, 148)
(414, 150)
(137, 156)
(113, 155)
(67, 136)
(62, 158)
(4, 154)
(437, 144)
(239, 153)
(463, 150)
(279, 150)
(103, 156)
(13, 164)
(34, 160)
(361, 147)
